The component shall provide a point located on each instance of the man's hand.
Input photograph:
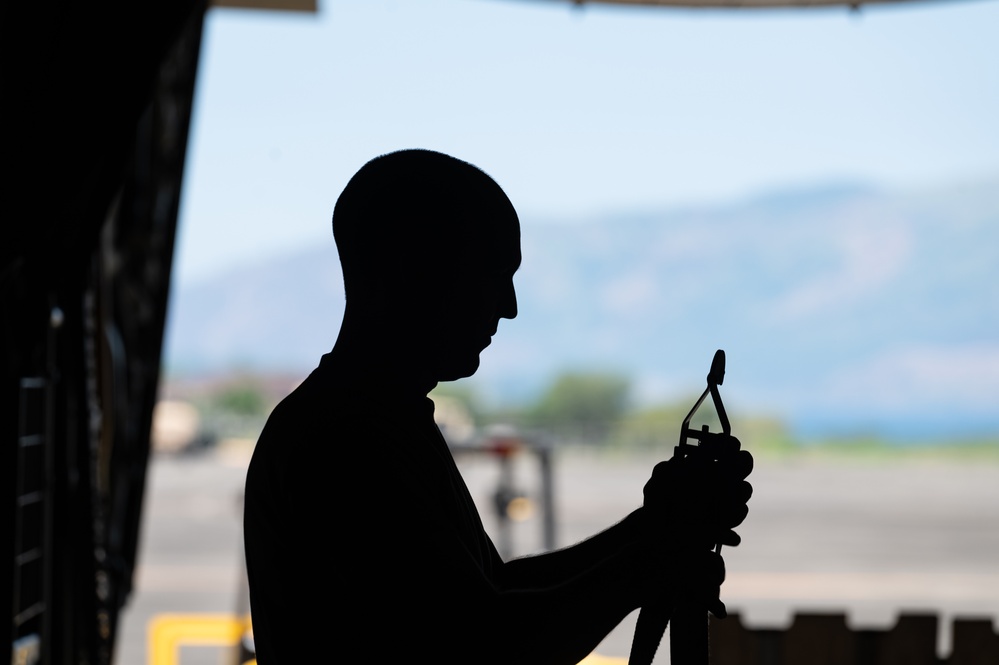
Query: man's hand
(695, 576)
(693, 502)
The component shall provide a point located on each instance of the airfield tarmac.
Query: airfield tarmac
(866, 538)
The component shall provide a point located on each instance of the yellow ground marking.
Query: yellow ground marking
(166, 633)
(597, 659)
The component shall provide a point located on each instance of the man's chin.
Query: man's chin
(459, 369)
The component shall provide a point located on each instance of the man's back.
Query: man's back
(356, 513)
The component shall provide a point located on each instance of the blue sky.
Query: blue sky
(576, 111)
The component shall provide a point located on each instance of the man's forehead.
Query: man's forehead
(476, 229)
(487, 254)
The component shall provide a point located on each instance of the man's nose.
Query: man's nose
(508, 303)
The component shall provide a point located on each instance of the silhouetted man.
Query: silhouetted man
(362, 542)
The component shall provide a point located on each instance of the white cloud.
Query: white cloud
(872, 254)
(630, 294)
(965, 378)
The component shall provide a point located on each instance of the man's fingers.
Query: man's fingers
(742, 491)
(729, 538)
(698, 500)
(704, 586)
(710, 581)
(737, 466)
(735, 514)
(717, 608)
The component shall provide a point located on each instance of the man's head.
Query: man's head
(429, 243)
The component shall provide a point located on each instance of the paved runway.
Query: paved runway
(866, 538)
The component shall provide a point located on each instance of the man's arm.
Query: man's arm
(403, 555)
(585, 590)
(686, 502)
(477, 620)
(559, 566)
(564, 622)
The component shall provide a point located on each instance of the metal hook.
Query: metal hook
(716, 376)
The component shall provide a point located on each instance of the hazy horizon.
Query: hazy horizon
(837, 305)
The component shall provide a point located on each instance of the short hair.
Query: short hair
(407, 213)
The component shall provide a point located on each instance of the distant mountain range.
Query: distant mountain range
(840, 308)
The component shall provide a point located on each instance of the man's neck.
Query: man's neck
(384, 348)
(363, 365)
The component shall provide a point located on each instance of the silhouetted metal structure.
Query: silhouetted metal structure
(98, 102)
(97, 108)
(826, 638)
(503, 447)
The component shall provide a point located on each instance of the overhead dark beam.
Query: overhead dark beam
(309, 6)
(742, 4)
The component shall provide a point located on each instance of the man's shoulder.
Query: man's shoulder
(318, 403)
(325, 420)
(311, 432)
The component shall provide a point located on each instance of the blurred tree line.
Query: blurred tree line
(597, 409)
(235, 407)
(587, 408)
(583, 408)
